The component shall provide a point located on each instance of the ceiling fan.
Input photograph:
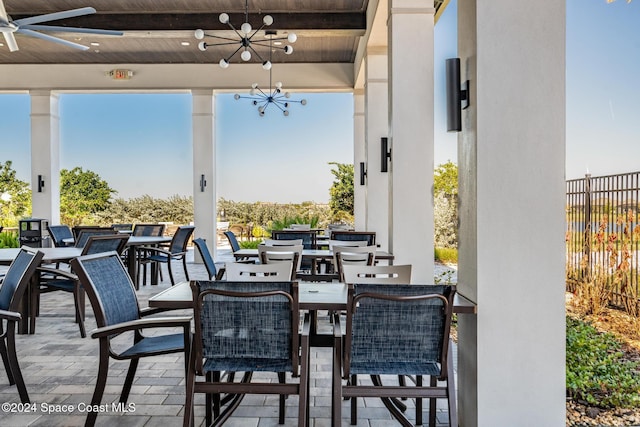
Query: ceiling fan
(30, 27)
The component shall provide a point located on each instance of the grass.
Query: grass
(446, 255)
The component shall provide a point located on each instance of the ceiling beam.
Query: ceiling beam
(210, 21)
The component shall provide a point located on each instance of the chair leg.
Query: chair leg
(187, 420)
(173, 282)
(418, 402)
(281, 409)
(131, 373)
(101, 382)
(79, 302)
(432, 403)
(5, 359)
(184, 265)
(354, 402)
(451, 389)
(14, 367)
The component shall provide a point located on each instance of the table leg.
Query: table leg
(132, 255)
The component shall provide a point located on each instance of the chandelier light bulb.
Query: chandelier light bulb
(245, 55)
(223, 63)
(202, 46)
(236, 96)
(267, 20)
(254, 86)
(266, 65)
(224, 18)
(303, 102)
(287, 95)
(286, 113)
(288, 50)
(261, 110)
(292, 37)
(252, 92)
(245, 28)
(199, 34)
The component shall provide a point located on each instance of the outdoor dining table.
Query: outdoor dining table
(313, 296)
(313, 255)
(51, 255)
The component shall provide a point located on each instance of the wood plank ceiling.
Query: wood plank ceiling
(156, 31)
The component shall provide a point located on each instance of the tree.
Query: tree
(341, 192)
(15, 196)
(82, 194)
(445, 179)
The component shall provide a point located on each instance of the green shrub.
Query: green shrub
(249, 244)
(596, 372)
(9, 239)
(446, 255)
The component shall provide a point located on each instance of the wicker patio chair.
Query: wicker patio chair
(12, 290)
(115, 305)
(246, 327)
(412, 340)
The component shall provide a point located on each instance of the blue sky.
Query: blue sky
(258, 156)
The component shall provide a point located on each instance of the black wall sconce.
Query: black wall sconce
(363, 173)
(203, 183)
(457, 95)
(40, 183)
(385, 154)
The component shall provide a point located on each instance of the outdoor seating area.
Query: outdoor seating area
(65, 373)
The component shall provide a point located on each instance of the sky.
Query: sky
(258, 156)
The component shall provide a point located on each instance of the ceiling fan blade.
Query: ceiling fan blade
(55, 16)
(72, 29)
(11, 41)
(3, 13)
(51, 38)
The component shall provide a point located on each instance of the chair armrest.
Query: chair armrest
(306, 325)
(220, 273)
(337, 330)
(57, 272)
(154, 249)
(149, 311)
(152, 322)
(10, 315)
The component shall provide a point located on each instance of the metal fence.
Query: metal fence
(602, 217)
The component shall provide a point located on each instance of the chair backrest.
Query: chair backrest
(108, 286)
(303, 227)
(106, 243)
(233, 242)
(209, 264)
(346, 243)
(273, 242)
(80, 228)
(290, 254)
(16, 279)
(253, 323)
(277, 272)
(360, 255)
(123, 227)
(58, 233)
(383, 274)
(83, 236)
(417, 321)
(181, 239)
(369, 236)
(308, 237)
(148, 229)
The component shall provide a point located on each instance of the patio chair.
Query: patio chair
(384, 274)
(413, 340)
(80, 228)
(148, 230)
(247, 327)
(308, 237)
(113, 298)
(275, 254)
(83, 235)
(274, 242)
(55, 279)
(58, 233)
(177, 251)
(369, 236)
(235, 247)
(350, 255)
(302, 227)
(277, 272)
(13, 287)
(207, 259)
(123, 228)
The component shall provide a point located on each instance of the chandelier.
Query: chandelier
(272, 96)
(245, 38)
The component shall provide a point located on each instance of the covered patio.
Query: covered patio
(511, 156)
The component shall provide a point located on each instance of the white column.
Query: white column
(377, 121)
(359, 156)
(204, 163)
(511, 156)
(411, 99)
(45, 155)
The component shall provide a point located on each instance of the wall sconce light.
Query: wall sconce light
(385, 154)
(203, 183)
(40, 183)
(363, 173)
(457, 95)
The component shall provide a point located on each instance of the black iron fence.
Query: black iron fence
(603, 233)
